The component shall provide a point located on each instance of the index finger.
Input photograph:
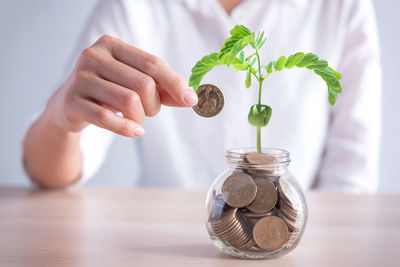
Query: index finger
(165, 76)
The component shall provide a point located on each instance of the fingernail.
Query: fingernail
(190, 97)
(139, 131)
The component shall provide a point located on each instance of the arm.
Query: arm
(109, 77)
(52, 156)
(350, 161)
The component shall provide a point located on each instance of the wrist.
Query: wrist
(51, 119)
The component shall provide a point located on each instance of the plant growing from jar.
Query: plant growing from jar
(255, 208)
(232, 54)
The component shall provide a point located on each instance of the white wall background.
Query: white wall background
(37, 37)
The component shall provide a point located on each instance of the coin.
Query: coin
(287, 210)
(239, 190)
(211, 100)
(230, 227)
(266, 196)
(287, 200)
(270, 233)
(249, 214)
(260, 158)
(262, 172)
(243, 239)
(291, 224)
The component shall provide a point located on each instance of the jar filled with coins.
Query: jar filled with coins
(255, 208)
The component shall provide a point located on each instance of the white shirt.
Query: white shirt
(332, 148)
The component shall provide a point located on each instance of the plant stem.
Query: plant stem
(260, 78)
(260, 82)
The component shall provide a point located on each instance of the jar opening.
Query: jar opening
(269, 157)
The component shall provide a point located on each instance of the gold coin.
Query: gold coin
(220, 229)
(287, 192)
(291, 224)
(229, 231)
(287, 209)
(245, 234)
(239, 190)
(288, 199)
(240, 239)
(248, 245)
(266, 196)
(270, 233)
(234, 236)
(237, 234)
(260, 158)
(262, 172)
(211, 100)
(249, 214)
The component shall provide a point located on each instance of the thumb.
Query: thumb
(181, 98)
(174, 88)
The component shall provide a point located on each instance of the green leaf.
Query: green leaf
(240, 66)
(293, 60)
(227, 46)
(332, 99)
(337, 74)
(240, 30)
(253, 71)
(237, 47)
(241, 56)
(269, 67)
(253, 61)
(334, 84)
(330, 78)
(259, 115)
(332, 96)
(252, 42)
(325, 72)
(280, 63)
(201, 68)
(320, 63)
(249, 57)
(248, 78)
(307, 60)
(320, 67)
(238, 33)
(262, 43)
(260, 39)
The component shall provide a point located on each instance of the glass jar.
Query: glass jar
(255, 208)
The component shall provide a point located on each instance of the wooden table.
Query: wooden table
(163, 227)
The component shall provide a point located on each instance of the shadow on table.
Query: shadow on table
(208, 251)
(32, 192)
(11, 193)
(187, 250)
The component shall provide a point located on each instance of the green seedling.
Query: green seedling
(232, 54)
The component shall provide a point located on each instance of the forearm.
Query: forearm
(51, 155)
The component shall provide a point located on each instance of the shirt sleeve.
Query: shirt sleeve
(108, 17)
(350, 160)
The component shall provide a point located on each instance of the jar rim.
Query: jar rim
(281, 156)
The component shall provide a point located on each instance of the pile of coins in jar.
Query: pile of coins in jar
(254, 210)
